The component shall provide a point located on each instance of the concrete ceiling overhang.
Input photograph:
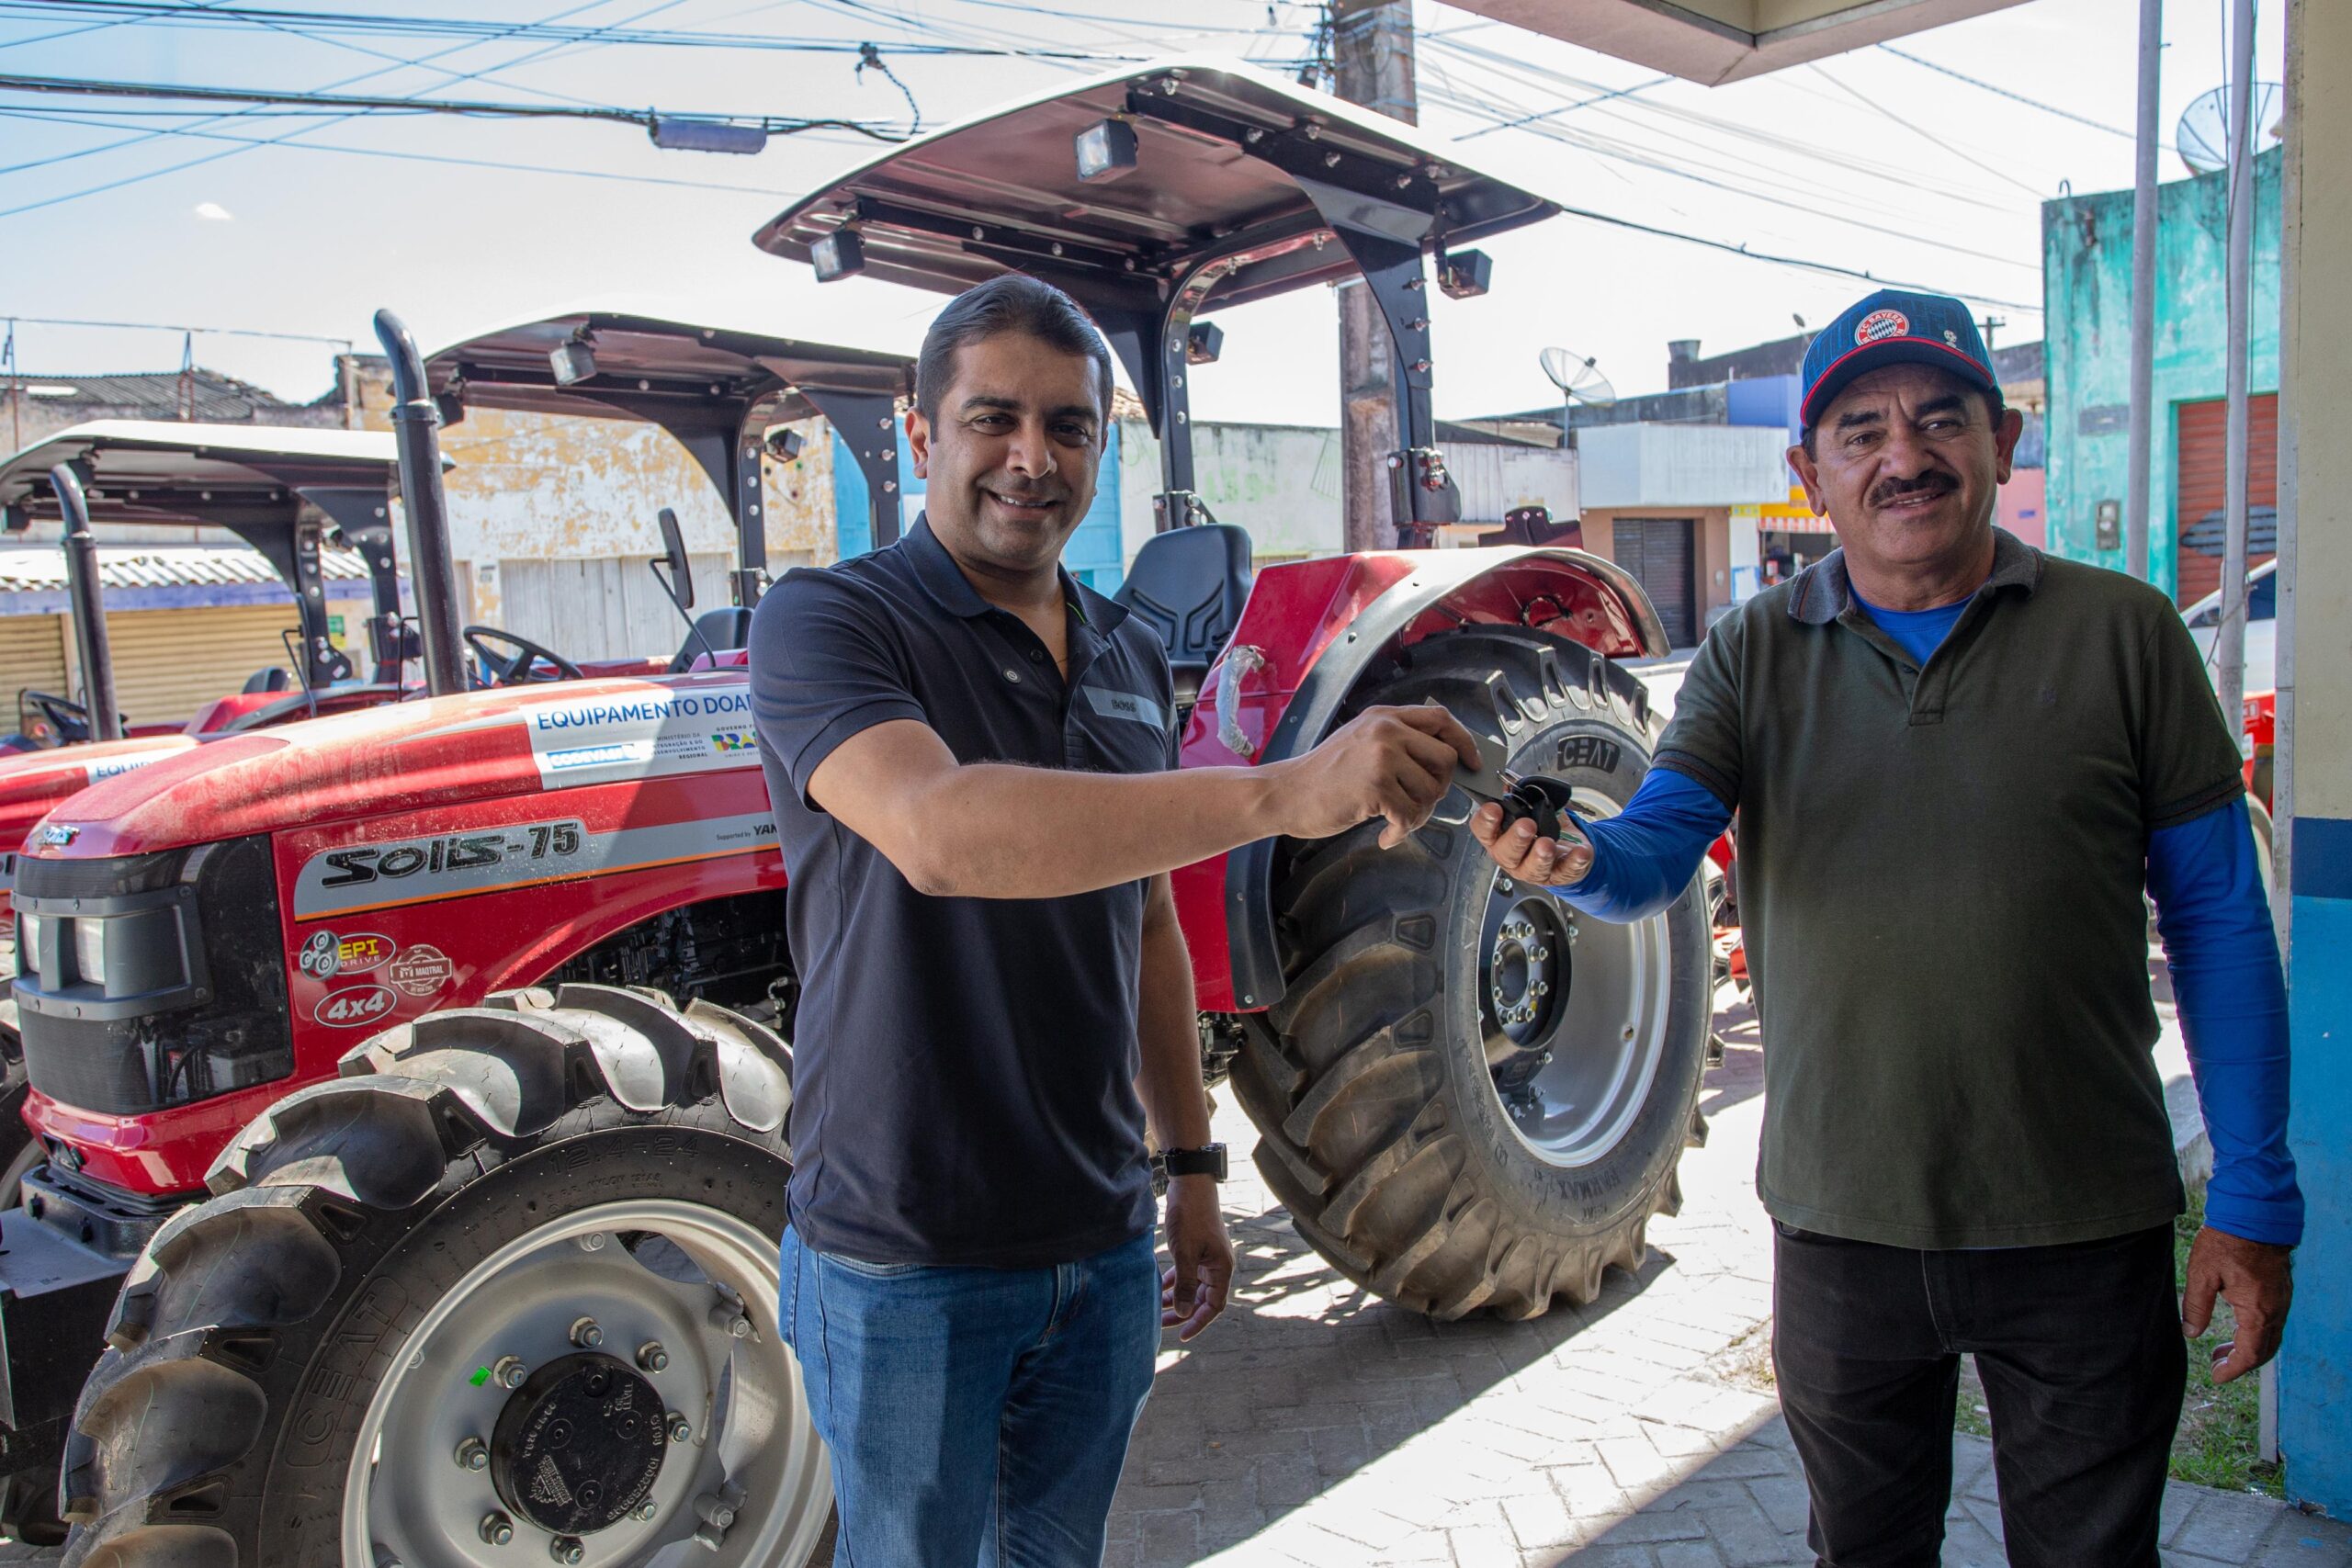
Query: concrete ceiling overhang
(1714, 41)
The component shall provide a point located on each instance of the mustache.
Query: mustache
(1926, 484)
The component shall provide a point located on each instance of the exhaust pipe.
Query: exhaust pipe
(431, 571)
(89, 607)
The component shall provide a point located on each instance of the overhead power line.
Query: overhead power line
(443, 159)
(326, 23)
(2014, 97)
(13, 319)
(774, 125)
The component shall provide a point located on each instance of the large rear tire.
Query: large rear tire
(1471, 1097)
(588, 1182)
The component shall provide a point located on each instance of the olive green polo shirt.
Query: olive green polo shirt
(1941, 872)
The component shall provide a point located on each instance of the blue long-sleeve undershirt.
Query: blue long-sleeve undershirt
(2212, 915)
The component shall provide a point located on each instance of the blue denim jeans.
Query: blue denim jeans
(974, 1415)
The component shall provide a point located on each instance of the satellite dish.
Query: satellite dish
(2203, 137)
(1579, 379)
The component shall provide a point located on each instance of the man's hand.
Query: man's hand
(1395, 763)
(1546, 863)
(2255, 1279)
(1200, 1271)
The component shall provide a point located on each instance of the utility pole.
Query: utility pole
(2144, 296)
(1371, 48)
(2229, 646)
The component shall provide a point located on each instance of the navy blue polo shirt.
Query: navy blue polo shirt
(963, 1068)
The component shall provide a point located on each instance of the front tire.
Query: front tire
(1470, 1097)
(297, 1367)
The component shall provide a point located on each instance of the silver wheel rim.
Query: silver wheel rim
(408, 1500)
(1571, 1067)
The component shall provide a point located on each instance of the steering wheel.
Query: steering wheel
(522, 667)
(69, 719)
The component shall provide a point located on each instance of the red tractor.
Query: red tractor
(470, 1014)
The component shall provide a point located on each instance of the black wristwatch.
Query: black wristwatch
(1208, 1160)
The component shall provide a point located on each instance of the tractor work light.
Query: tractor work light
(1106, 151)
(1204, 343)
(783, 442)
(707, 136)
(572, 361)
(1465, 275)
(839, 254)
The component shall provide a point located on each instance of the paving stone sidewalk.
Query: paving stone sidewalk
(1317, 1425)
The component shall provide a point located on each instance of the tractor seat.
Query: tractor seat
(721, 631)
(1189, 585)
(273, 678)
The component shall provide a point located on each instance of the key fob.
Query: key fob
(1541, 801)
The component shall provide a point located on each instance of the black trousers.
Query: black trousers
(2080, 1350)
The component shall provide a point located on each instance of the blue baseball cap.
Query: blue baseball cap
(1893, 326)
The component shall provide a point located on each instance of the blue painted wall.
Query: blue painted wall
(1092, 555)
(2315, 1363)
(1766, 400)
(2086, 293)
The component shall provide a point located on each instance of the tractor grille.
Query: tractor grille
(186, 994)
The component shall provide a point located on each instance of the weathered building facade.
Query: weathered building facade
(2086, 284)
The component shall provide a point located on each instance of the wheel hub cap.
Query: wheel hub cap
(579, 1445)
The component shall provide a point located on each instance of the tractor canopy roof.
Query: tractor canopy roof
(159, 471)
(1220, 165)
(642, 364)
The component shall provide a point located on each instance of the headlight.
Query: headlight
(90, 951)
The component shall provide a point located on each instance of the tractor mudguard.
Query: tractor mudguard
(1312, 630)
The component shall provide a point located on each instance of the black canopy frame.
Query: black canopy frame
(716, 389)
(1243, 187)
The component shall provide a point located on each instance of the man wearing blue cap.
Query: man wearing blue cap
(1957, 764)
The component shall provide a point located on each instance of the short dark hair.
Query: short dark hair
(1013, 303)
(1995, 407)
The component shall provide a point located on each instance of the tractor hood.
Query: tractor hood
(410, 756)
(643, 365)
(32, 784)
(1210, 163)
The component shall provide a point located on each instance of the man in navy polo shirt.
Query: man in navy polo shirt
(1957, 764)
(970, 757)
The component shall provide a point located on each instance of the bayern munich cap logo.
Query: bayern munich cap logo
(1892, 326)
(1882, 323)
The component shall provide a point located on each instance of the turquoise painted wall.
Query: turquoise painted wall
(2087, 291)
(1091, 555)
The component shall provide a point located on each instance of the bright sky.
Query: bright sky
(1867, 161)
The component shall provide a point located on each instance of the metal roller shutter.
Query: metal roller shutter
(32, 656)
(2201, 491)
(1657, 550)
(169, 664)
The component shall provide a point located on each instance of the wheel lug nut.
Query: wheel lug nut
(567, 1549)
(644, 1510)
(714, 1509)
(1541, 988)
(1542, 954)
(586, 1334)
(473, 1454)
(509, 1371)
(651, 1357)
(679, 1430)
(497, 1529)
(728, 1319)
(592, 1242)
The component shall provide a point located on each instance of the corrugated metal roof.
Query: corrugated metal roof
(41, 568)
(164, 394)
